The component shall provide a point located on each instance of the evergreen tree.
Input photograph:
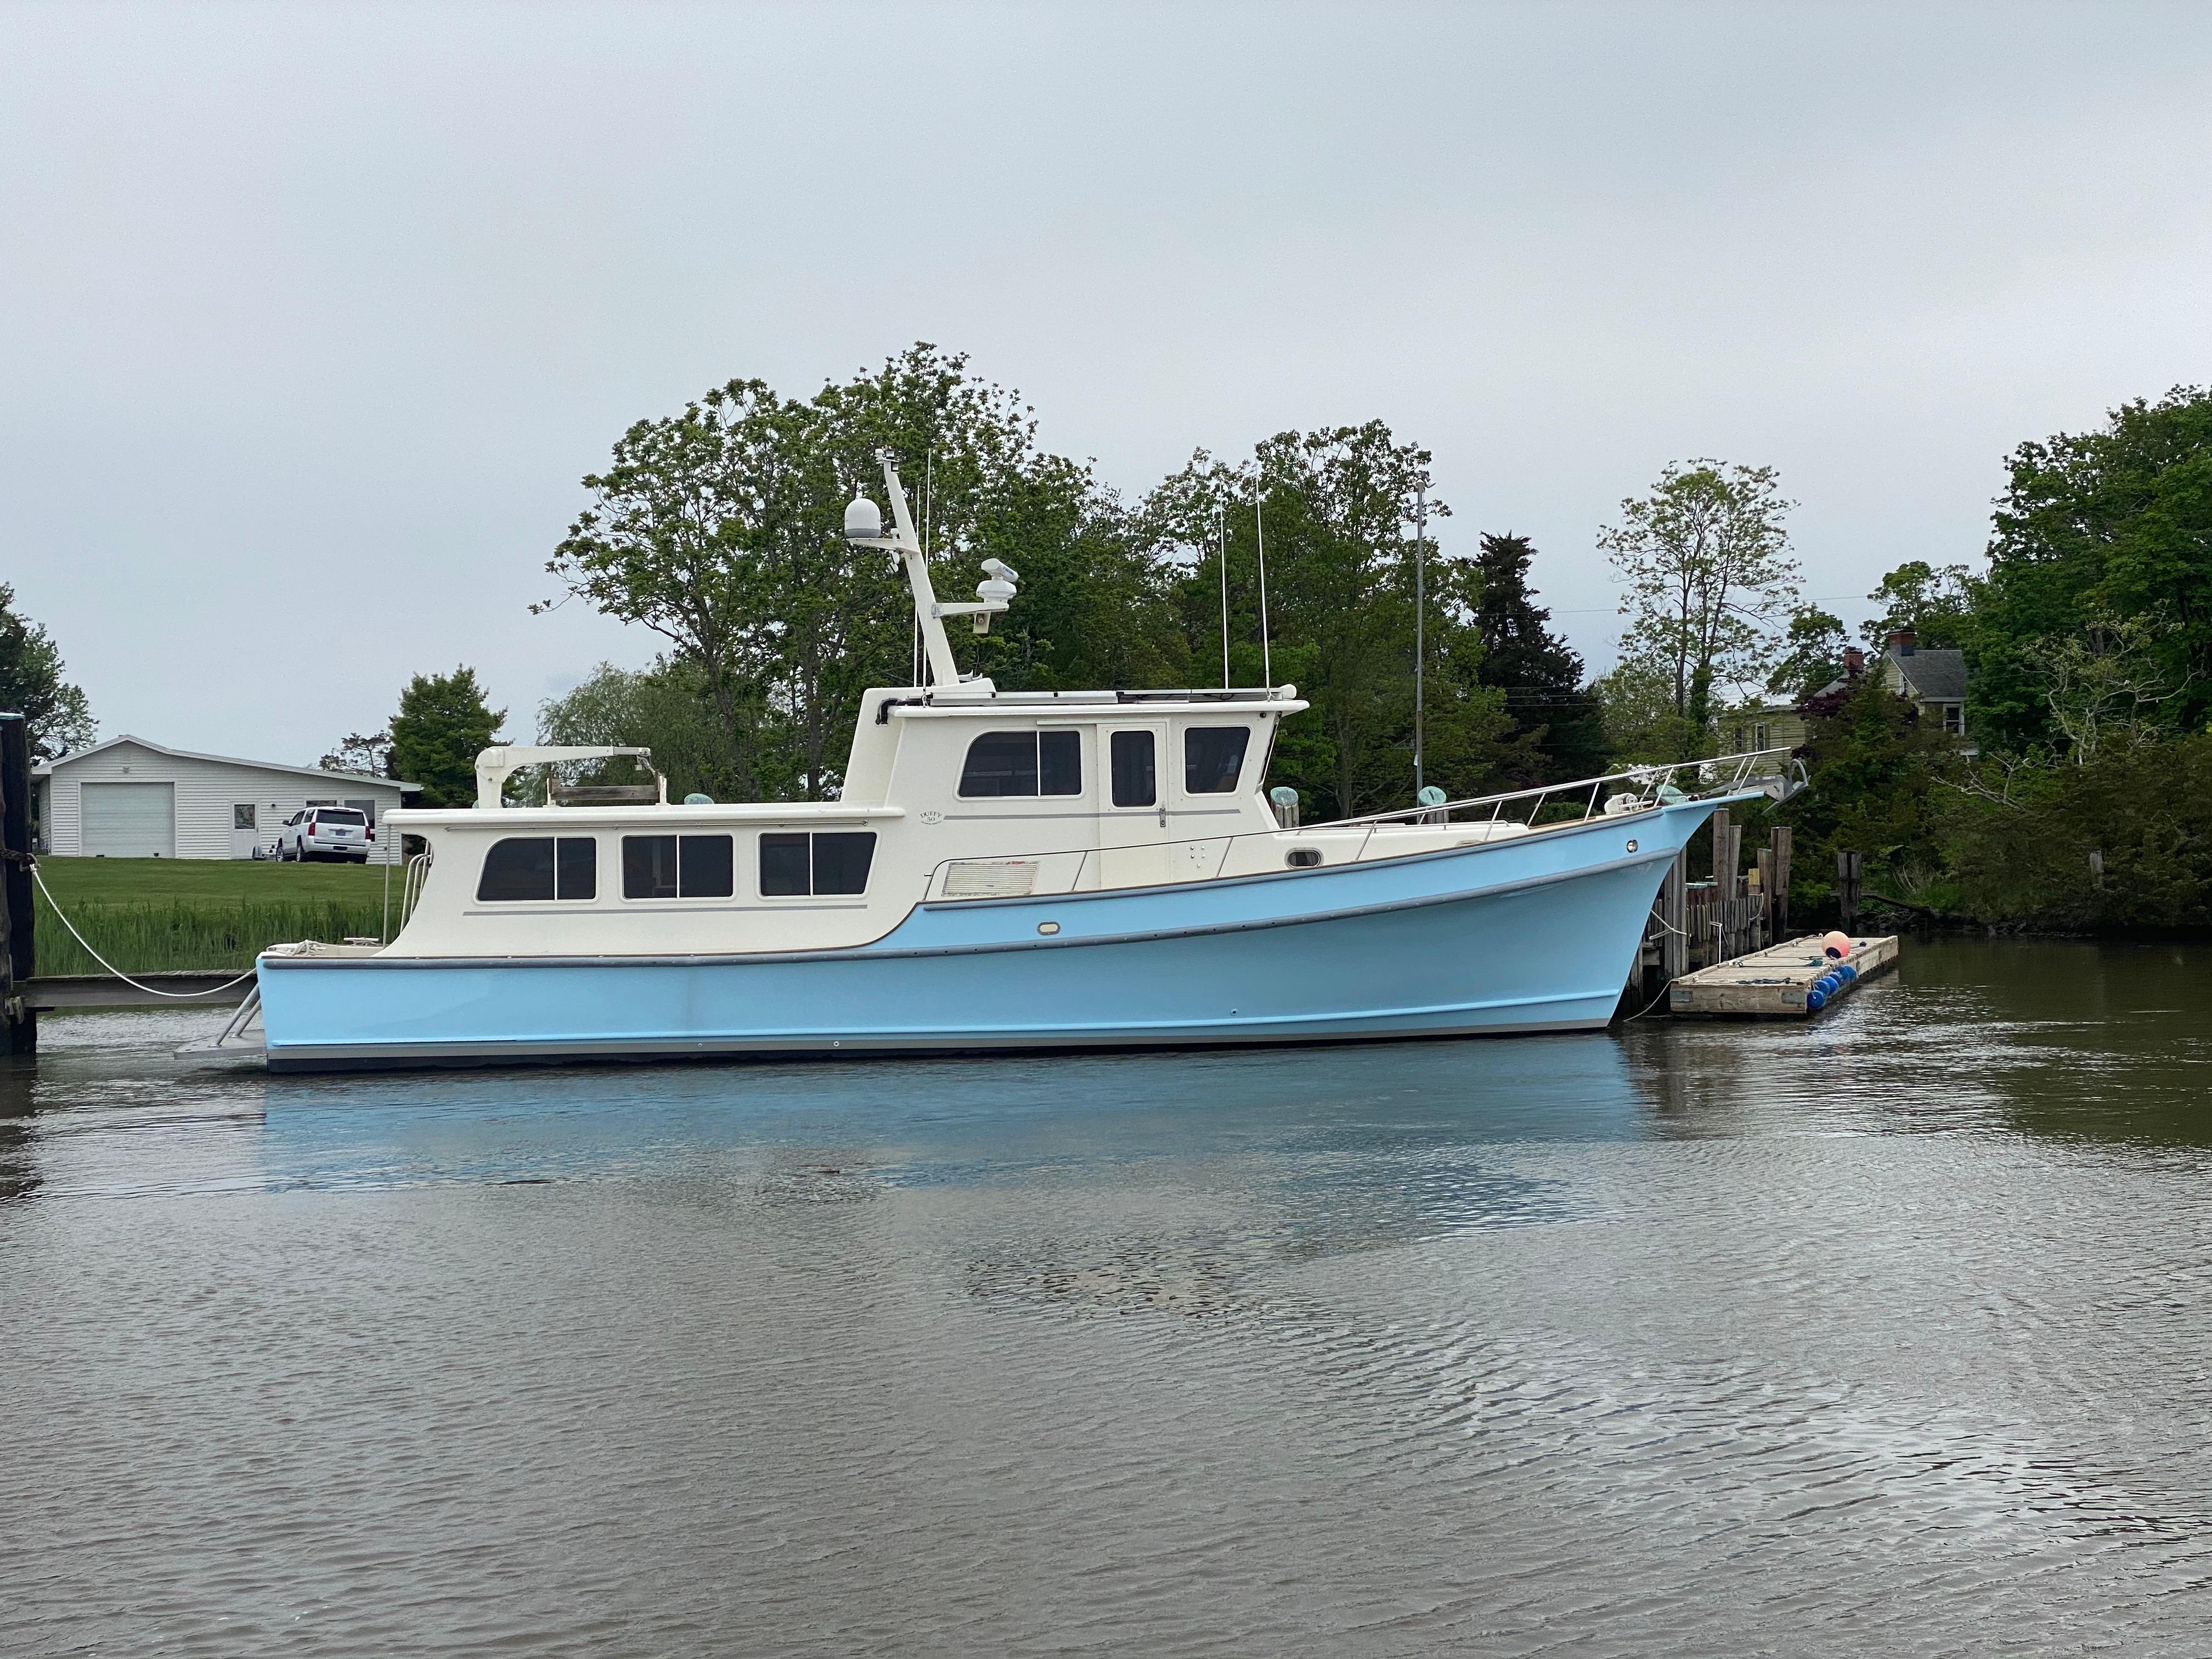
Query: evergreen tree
(55, 712)
(442, 722)
(1538, 674)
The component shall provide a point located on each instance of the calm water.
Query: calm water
(1890, 1335)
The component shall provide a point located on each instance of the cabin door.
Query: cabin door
(1132, 790)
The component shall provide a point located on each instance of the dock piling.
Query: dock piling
(1848, 866)
(19, 953)
(1673, 915)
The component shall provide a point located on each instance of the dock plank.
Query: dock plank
(1773, 981)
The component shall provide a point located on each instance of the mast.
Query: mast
(864, 528)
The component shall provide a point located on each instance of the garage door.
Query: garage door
(130, 820)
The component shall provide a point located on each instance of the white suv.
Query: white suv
(325, 832)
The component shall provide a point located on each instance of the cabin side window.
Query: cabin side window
(677, 866)
(797, 865)
(1023, 763)
(1213, 756)
(1136, 777)
(524, 868)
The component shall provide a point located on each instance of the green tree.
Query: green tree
(688, 529)
(1706, 561)
(55, 716)
(1335, 506)
(722, 530)
(442, 722)
(370, 755)
(1642, 725)
(1090, 611)
(1936, 604)
(663, 707)
(1540, 677)
(2095, 529)
(2022, 837)
(1872, 765)
(1812, 648)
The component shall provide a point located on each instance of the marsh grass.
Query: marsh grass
(146, 936)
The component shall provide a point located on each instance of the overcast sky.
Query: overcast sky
(312, 316)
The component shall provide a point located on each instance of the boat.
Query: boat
(1002, 869)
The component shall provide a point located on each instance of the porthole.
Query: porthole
(1303, 857)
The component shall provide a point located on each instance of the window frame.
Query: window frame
(1037, 735)
(679, 892)
(553, 844)
(1243, 756)
(1152, 766)
(814, 890)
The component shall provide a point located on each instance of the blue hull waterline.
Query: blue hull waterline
(1535, 933)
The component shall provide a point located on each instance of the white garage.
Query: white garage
(129, 820)
(131, 799)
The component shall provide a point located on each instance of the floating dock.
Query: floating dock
(1776, 981)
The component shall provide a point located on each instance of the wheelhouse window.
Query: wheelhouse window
(1213, 756)
(1023, 763)
(1136, 775)
(679, 866)
(525, 868)
(825, 863)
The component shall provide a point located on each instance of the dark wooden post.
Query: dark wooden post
(1728, 883)
(1765, 897)
(1673, 910)
(19, 951)
(1781, 882)
(1847, 888)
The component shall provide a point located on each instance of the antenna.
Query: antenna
(928, 506)
(1221, 534)
(1266, 662)
(1420, 611)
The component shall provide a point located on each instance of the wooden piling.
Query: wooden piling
(19, 953)
(1728, 885)
(1673, 912)
(1767, 923)
(1781, 845)
(1848, 867)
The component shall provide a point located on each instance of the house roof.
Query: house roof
(355, 778)
(1933, 676)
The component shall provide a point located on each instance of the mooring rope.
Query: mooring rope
(151, 990)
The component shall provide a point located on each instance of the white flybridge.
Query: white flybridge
(1002, 869)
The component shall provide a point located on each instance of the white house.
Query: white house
(128, 798)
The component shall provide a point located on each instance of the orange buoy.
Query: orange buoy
(1836, 946)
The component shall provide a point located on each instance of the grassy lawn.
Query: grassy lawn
(147, 914)
(118, 881)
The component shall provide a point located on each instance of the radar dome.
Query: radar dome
(864, 519)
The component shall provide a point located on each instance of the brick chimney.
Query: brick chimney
(1902, 641)
(1854, 662)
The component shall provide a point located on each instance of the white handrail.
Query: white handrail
(1649, 781)
(1647, 778)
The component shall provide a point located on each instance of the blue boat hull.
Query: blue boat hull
(1537, 933)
